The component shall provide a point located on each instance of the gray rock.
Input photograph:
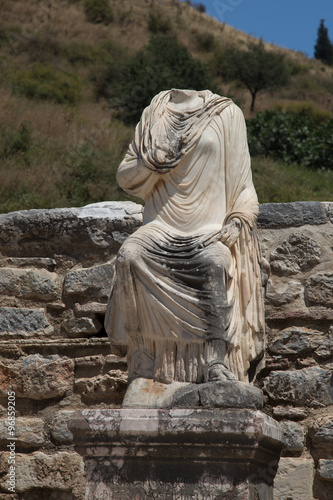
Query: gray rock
(296, 340)
(98, 229)
(61, 471)
(296, 214)
(23, 322)
(307, 387)
(33, 262)
(278, 294)
(225, 394)
(295, 255)
(293, 436)
(29, 432)
(29, 283)
(37, 377)
(107, 388)
(289, 412)
(93, 282)
(294, 479)
(322, 434)
(59, 430)
(89, 308)
(325, 469)
(319, 290)
(82, 327)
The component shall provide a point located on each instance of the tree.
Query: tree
(323, 49)
(161, 65)
(255, 69)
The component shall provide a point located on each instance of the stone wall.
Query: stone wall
(55, 276)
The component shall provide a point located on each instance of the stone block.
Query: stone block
(93, 282)
(22, 322)
(293, 436)
(319, 290)
(37, 377)
(98, 229)
(225, 394)
(295, 255)
(278, 294)
(296, 214)
(294, 479)
(321, 433)
(307, 387)
(90, 308)
(108, 387)
(132, 453)
(82, 327)
(29, 432)
(59, 430)
(296, 340)
(33, 262)
(29, 283)
(288, 412)
(62, 471)
(325, 469)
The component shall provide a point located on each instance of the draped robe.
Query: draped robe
(178, 291)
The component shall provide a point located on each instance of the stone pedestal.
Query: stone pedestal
(177, 454)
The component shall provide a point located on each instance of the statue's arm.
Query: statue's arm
(132, 175)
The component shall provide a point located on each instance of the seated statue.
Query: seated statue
(186, 300)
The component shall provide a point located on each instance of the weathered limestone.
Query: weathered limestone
(29, 432)
(59, 429)
(296, 341)
(37, 377)
(19, 322)
(294, 479)
(81, 232)
(319, 290)
(91, 282)
(292, 214)
(293, 436)
(177, 453)
(29, 283)
(309, 386)
(61, 472)
(294, 255)
(326, 469)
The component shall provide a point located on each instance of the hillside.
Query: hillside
(60, 141)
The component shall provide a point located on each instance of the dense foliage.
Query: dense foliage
(98, 11)
(161, 65)
(292, 138)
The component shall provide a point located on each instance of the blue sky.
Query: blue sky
(288, 23)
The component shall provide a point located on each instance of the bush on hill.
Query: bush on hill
(163, 64)
(292, 138)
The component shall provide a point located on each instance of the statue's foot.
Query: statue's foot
(218, 372)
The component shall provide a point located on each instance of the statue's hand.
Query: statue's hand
(230, 232)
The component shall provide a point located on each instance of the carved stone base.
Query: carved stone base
(177, 454)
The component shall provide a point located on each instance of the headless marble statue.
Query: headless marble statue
(186, 301)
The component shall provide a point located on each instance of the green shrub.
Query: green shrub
(14, 140)
(157, 22)
(161, 65)
(98, 11)
(292, 138)
(84, 52)
(42, 81)
(205, 41)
